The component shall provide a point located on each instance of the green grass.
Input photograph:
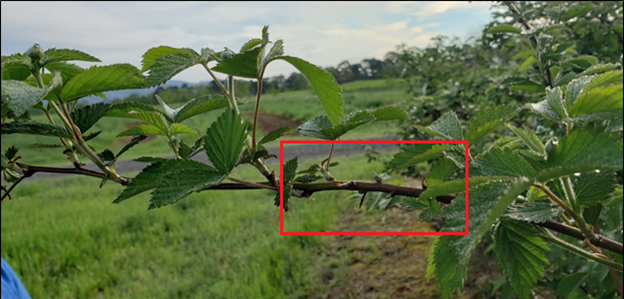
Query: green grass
(300, 105)
(65, 240)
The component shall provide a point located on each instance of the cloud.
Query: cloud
(324, 33)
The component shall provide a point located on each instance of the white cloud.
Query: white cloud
(324, 33)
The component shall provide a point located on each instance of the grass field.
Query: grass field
(65, 240)
(298, 105)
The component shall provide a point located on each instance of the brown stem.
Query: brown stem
(252, 184)
(600, 240)
(8, 191)
(32, 169)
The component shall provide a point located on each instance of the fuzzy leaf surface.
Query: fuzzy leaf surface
(87, 116)
(34, 128)
(521, 254)
(486, 121)
(169, 65)
(277, 133)
(200, 105)
(20, 96)
(535, 212)
(243, 65)
(446, 127)
(413, 154)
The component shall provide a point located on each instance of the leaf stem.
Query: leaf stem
(331, 150)
(255, 121)
(262, 186)
(609, 263)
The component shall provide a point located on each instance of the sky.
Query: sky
(323, 33)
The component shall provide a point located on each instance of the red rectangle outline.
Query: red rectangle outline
(282, 142)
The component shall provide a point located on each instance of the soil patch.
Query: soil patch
(268, 122)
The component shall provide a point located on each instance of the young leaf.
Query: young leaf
(604, 80)
(275, 135)
(177, 128)
(529, 138)
(34, 128)
(521, 254)
(252, 43)
(20, 96)
(181, 179)
(131, 110)
(575, 12)
(413, 154)
(324, 85)
(67, 70)
(130, 144)
(440, 171)
(243, 65)
(54, 55)
(583, 151)
(504, 28)
(449, 275)
(169, 65)
(107, 157)
(431, 212)
(290, 169)
(143, 130)
(199, 106)
(87, 116)
(501, 163)
(446, 127)
(276, 51)
(157, 52)
(486, 121)
(224, 141)
(11, 152)
(102, 78)
(535, 212)
(593, 188)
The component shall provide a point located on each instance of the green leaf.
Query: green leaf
(501, 163)
(568, 285)
(100, 79)
(321, 126)
(243, 65)
(431, 212)
(582, 151)
(524, 53)
(224, 141)
(413, 154)
(45, 145)
(143, 130)
(529, 138)
(604, 80)
(528, 62)
(54, 55)
(177, 128)
(565, 79)
(601, 99)
(504, 28)
(130, 144)
(131, 110)
(308, 178)
(446, 127)
(169, 65)
(593, 188)
(14, 69)
(591, 213)
(599, 68)
(324, 85)
(20, 96)
(581, 62)
(409, 203)
(486, 121)
(107, 157)
(575, 12)
(521, 254)
(440, 171)
(275, 134)
(85, 117)
(34, 128)
(553, 107)
(314, 127)
(574, 89)
(200, 105)
(11, 152)
(452, 253)
(290, 169)
(157, 52)
(68, 70)
(389, 113)
(181, 178)
(276, 51)
(252, 43)
(535, 212)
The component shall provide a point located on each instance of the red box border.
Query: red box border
(282, 142)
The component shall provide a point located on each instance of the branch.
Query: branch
(599, 240)
(32, 169)
(367, 187)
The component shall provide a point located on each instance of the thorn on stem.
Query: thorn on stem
(377, 178)
(362, 200)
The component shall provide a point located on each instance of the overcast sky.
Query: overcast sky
(323, 33)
